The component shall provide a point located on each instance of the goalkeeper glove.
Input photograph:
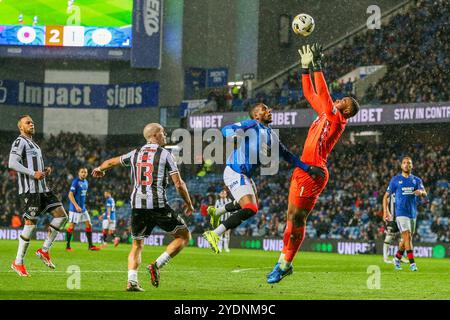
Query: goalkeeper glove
(306, 57)
(317, 53)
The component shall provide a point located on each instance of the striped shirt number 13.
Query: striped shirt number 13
(145, 173)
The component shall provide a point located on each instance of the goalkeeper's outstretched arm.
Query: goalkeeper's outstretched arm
(306, 57)
(319, 78)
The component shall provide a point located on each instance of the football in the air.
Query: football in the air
(303, 24)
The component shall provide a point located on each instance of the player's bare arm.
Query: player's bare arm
(108, 214)
(106, 165)
(420, 193)
(39, 175)
(319, 78)
(48, 171)
(74, 202)
(386, 213)
(180, 185)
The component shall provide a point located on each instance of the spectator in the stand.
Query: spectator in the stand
(243, 92)
(350, 207)
(349, 87)
(322, 227)
(16, 221)
(212, 95)
(335, 86)
(413, 46)
(229, 100)
(341, 85)
(235, 92)
(221, 99)
(276, 92)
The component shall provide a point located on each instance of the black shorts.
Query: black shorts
(35, 204)
(392, 227)
(144, 220)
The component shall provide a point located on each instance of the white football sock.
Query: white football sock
(385, 251)
(22, 250)
(285, 265)
(27, 233)
(162, 260)
(55, 225)
(227, 244)
(281, 258)
(50, 238)
(220, 230)
(133, 276)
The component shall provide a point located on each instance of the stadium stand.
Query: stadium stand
(345, 214)
(341, 213)
(414, 46)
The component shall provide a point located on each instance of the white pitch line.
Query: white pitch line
(113, 271)
(248, 269)
(87, 271)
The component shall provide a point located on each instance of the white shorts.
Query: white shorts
(111, 225)
(406, 224)
(239, 184)
(78, 217)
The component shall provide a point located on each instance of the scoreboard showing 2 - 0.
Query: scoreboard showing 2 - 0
(66, 23)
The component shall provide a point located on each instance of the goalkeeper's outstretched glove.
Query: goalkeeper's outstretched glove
(317, 52)
(306, 58)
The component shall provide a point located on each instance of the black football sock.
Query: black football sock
(89, 237)
(237, 218)
(68, 238)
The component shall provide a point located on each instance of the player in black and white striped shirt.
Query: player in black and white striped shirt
(221, 202)
(35, 196)
(151, 165)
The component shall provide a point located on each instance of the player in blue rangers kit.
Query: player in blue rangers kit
(77, 209)
(406, 188)
(255, 141)
(109, 220)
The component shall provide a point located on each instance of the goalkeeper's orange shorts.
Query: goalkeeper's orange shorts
(304, 190)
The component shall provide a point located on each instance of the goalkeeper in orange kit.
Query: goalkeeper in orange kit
(323, 134)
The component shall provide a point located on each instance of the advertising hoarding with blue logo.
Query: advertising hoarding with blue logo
(115, 96)
(147, 34)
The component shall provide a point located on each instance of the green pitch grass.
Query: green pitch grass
(199, 274)
(98, 13)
